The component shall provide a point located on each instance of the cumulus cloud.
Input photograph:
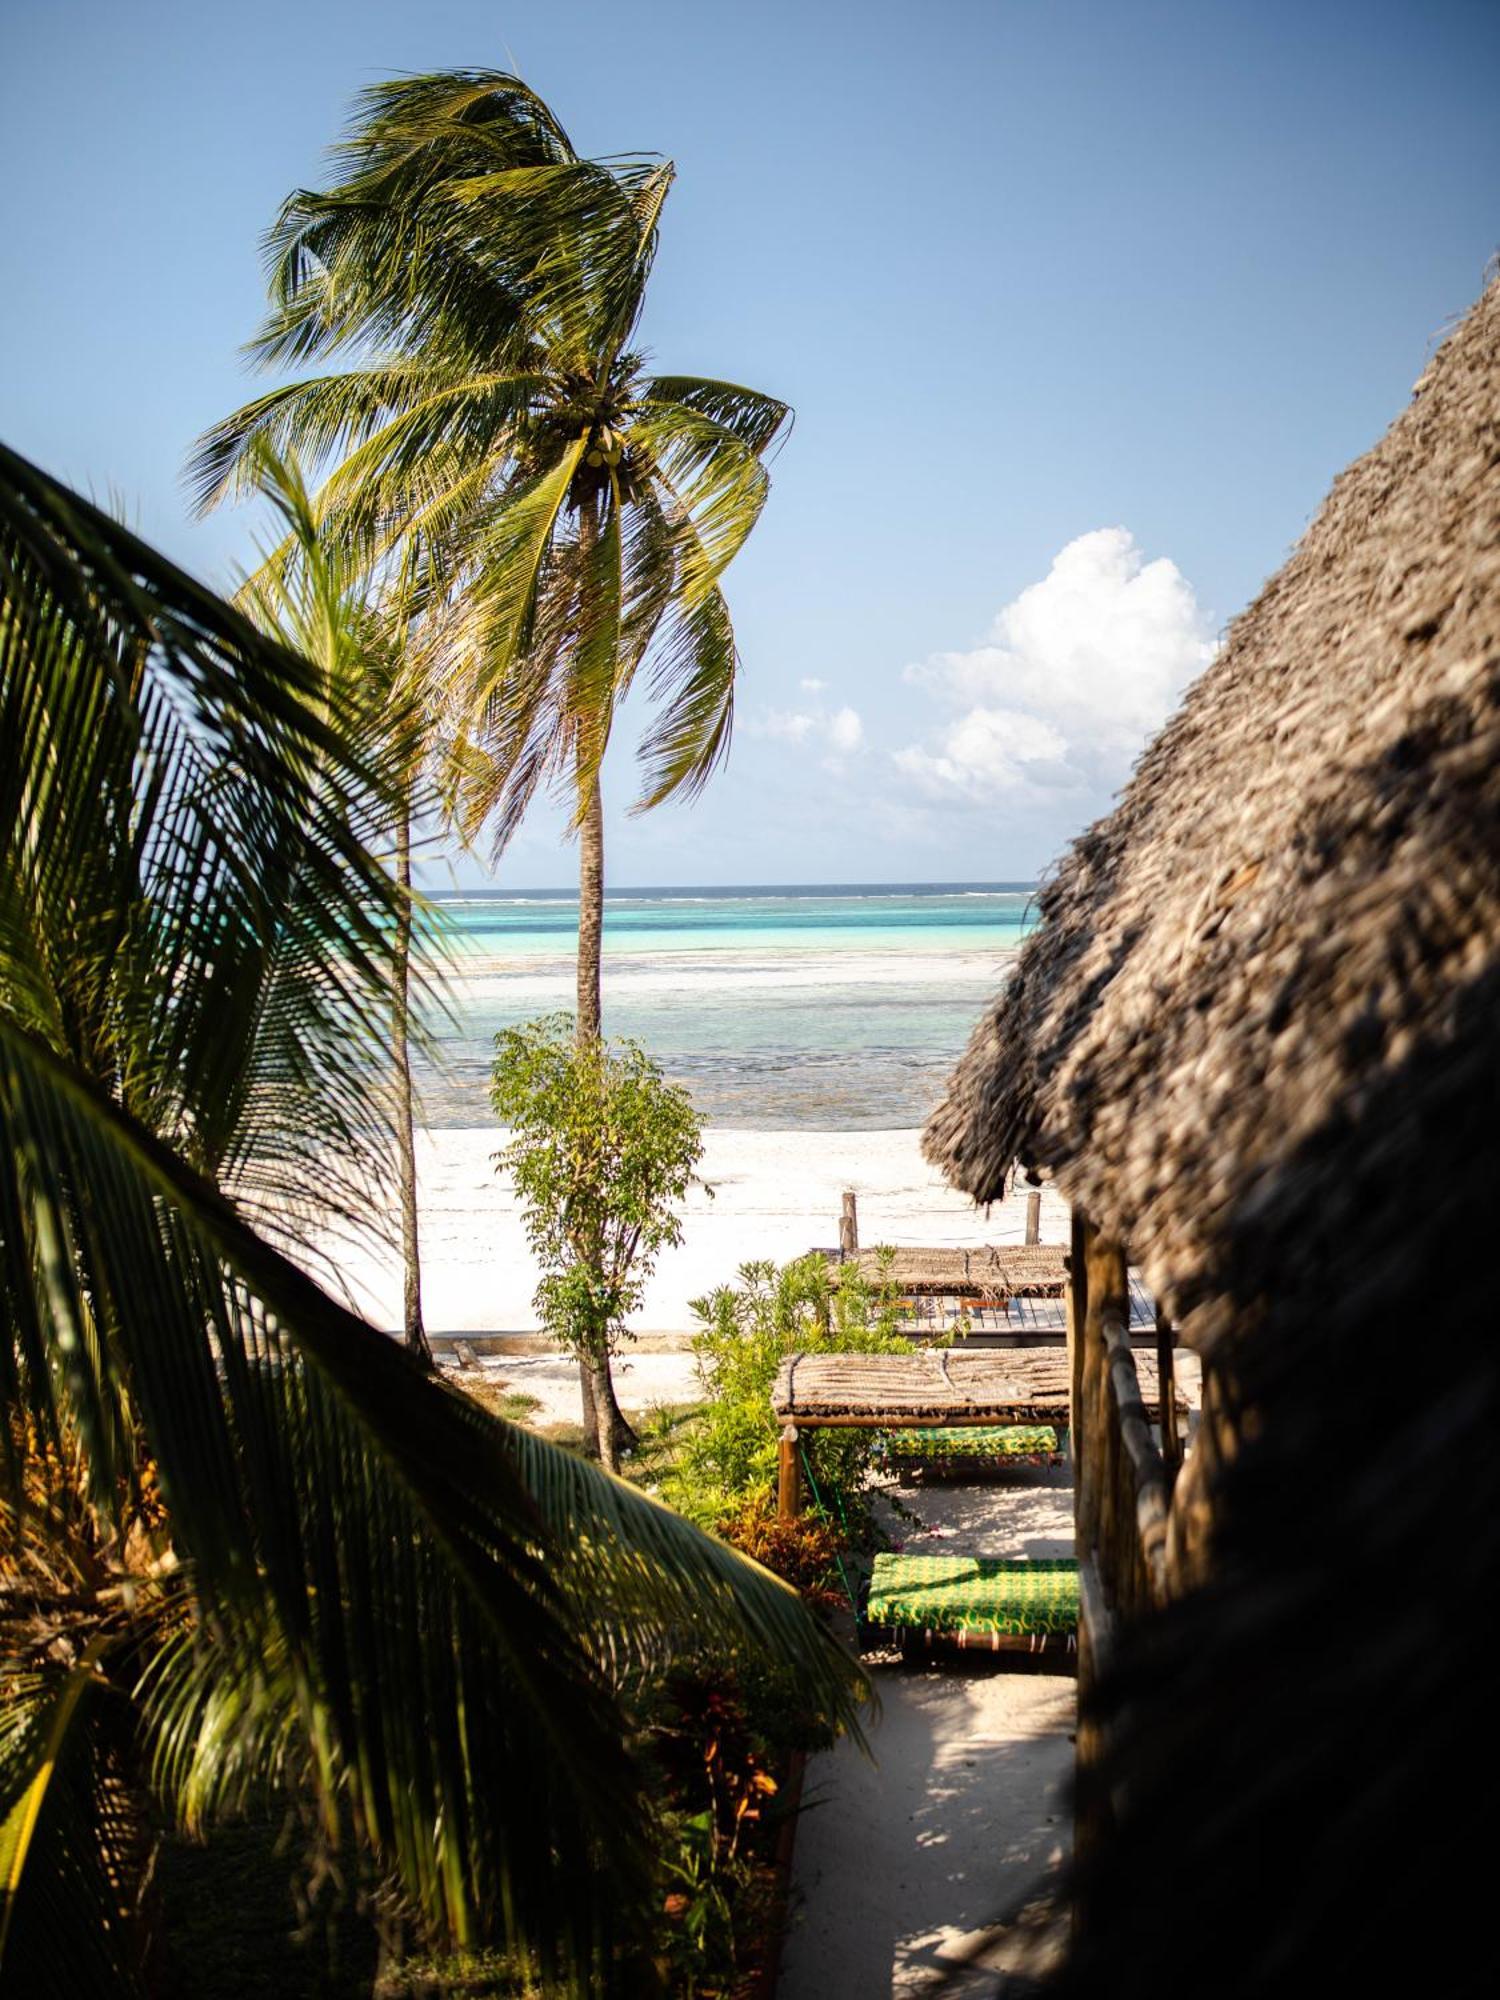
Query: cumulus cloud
(1071, 680)
(841, 731)
(790, 726)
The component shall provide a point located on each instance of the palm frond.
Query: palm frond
(185, 838)
(714, 478)
(658, 1590)
(67, 1835)
(319, 1480)
(755, 419)
(392, 412)
(377, 260)
(383, 1601)
(693, 673)
(509, 563)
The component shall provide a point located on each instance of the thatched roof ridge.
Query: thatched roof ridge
(999, 1271)
(1298, 884)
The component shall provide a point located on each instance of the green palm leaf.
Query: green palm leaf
(67, 1925)
(365, 1582)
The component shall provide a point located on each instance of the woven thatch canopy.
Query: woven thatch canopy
(1298, 885)
(1027, 1385)
(1001, 1271)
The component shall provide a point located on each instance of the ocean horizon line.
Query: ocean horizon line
(708, 891)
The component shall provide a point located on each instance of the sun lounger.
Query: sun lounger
(942, 1446)
(984, 1601)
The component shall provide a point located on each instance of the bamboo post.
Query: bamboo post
(1099, 1473)
(1077, 1316)
(1034, 1217)
(1166, 1379)
(849, 1225)
(789, 1476)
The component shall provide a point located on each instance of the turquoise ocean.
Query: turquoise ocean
(819, 1007)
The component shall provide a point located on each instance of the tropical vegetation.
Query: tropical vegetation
(500, 439)
(251, 1547)
(724, 1472)
(554, 513)
(324, 607)
(602, 1155)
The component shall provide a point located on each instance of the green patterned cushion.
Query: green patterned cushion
(974, 1441)
(974, 1594)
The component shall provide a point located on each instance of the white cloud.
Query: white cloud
(842, 732)
(812, 686)
(792, 727)
(845, 731)
(1071, 680)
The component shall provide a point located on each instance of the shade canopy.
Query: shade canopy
(935, 1386)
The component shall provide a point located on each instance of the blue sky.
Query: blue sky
(1081, 306)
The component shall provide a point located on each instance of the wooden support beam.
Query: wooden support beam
(1034, 1217)
(788, 1476)
(849, 1225)
(1148, 1473)
(1076, 1314)
(1166, 1376)
(1095, 1469)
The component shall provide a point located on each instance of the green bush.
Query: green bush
(745, 1332)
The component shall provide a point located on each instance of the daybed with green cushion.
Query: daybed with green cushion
(976, 1600)
(950, 1443)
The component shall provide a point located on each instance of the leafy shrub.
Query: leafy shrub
(745, 1332)
(707, 1739)
(803, 1553)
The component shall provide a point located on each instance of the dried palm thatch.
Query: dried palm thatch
(1301, 876)
(934, 1386)
(1258, 1037)
(1005, 1271)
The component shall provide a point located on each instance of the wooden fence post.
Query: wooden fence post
(1034, 1217)
(1099, 1286)
(788, 1476)
(849, 1225)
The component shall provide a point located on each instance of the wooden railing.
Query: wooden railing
(1122, 1481)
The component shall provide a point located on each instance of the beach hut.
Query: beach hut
(1256, 1039)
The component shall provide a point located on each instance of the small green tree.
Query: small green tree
(602, 1152)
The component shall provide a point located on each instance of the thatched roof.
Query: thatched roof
(1299, 883)
(1024, 1385)
(1000, 1271)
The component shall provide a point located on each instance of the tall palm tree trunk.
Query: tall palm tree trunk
(604, 1422)
(406, 1152)
(591, 915)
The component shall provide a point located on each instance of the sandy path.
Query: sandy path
(900, 1862)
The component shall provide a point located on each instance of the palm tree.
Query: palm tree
(326, 609)
(248, 1541)
(568, 511)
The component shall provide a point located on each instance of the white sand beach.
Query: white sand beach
(776, 1195)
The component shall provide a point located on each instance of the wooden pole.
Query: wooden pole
(1077, 1315)
(1166, 1390)
(789, 1476)
(849, 1225)
(1034, 1217)
(1096, 1463)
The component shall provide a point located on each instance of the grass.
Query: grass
(516, 1406)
